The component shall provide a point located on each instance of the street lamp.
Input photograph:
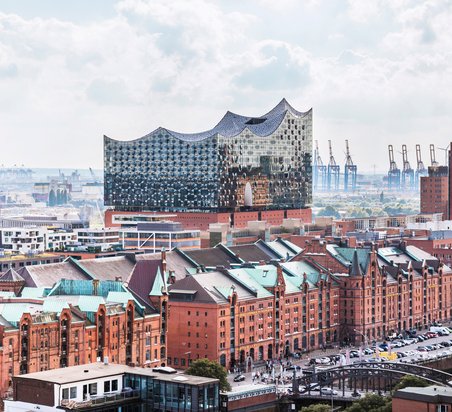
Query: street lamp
(363, 335)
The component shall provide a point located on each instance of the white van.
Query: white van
(440, 329)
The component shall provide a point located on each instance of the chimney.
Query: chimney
(172, 277)
(163, 259)
(95, 287)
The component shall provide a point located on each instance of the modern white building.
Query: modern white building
(24, 240)
(103, 385)
(34, 239)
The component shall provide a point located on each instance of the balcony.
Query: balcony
(100, 400)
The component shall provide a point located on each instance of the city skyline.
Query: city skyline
(371, 71)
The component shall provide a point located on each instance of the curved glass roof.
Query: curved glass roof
(233, 124)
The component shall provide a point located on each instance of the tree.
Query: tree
(210, 369)
(371, 403)
(411, 381)
(329, 211)
(320, 407)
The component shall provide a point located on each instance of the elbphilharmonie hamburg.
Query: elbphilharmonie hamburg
(243, 163)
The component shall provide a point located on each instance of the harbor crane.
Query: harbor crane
(407, 172)
(319, 172)
(394, 171)
(333, 171)
(350, 171)
(433, 161)
(421, 170)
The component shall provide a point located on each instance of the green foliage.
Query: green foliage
(329, 211)
(319, 407)
(411, 381)
(371, 403)
(210, 369)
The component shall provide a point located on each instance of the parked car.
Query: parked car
(239, 378)
(328, 391)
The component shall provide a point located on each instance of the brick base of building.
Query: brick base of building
(238, 220)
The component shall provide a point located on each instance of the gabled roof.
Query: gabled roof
(108, 268)
(11, 276)
(284, 248)
(252, 253)
(212, 257)
(49, 274)
(142, 279)
(257, 279)
(345, 255)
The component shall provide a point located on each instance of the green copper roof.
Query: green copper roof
(54, 306)
(254, 279)
(119, 297)
(345, 256)
(29, 292)
(85, 287)
(90, 303)
(159, 285)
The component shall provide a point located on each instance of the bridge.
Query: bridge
(366, 376)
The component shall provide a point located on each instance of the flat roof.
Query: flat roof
(44, 255)
(100, 370)
(433, 393)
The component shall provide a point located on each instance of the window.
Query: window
(93, 389)
(66, 393)
(114, 385)
(442, 408)
(73, 392)
(107, 386)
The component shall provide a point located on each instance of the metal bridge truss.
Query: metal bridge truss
(367, 376)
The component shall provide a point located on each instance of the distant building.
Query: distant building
(45, 221)
(243, 163)
(100, 239)
(25, 240)
(434, 191)
(8, 261)
(154, 236)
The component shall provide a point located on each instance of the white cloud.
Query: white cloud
(182, 64)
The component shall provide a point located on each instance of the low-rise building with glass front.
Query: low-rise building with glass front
(243, 163)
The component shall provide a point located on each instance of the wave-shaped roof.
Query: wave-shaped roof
(233, 124)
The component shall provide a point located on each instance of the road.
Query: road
(304, 363)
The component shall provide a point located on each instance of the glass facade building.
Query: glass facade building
(243, 163)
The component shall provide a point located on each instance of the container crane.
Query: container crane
(433, 161)
(350, 171)
(407, 172)
(333, 171)
(394, 171)
(319, 175)
(421, 170)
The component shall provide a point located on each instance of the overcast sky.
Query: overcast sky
(375, 72)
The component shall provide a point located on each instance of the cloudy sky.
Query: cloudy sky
(375, 72)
